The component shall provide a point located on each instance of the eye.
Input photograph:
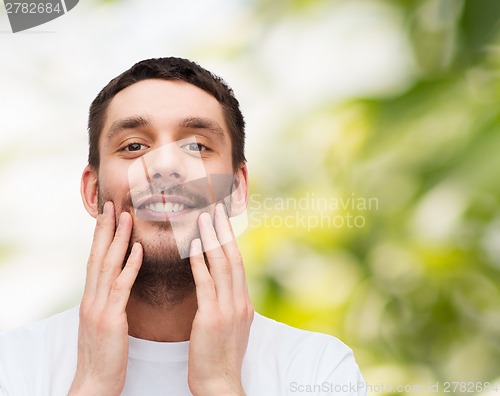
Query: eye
(195, 147)
(134, 147)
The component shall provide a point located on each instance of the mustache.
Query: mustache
(200, 192)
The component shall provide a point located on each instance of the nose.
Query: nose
(165, 165)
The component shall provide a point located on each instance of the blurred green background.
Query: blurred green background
(413, 285)
(416, 291)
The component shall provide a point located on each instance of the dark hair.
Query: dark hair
(169, 69)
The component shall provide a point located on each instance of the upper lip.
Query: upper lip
(165, 198)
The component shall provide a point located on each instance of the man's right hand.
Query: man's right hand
(103, 329)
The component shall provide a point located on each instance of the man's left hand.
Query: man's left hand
(221, 326)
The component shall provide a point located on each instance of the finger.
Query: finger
(219, 266)
(103, 236)
(205, 287)
(122, 285)
(232, 253)
(112, 264)
(223, 225)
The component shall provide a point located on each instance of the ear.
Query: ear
(239, 195)
(89, 188)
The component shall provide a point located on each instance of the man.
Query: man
(166, 309)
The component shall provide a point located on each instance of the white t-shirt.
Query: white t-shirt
(40, 360)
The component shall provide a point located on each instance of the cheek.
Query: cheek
(221, 164)
(113, 186)
(114, 177)
(139, 174)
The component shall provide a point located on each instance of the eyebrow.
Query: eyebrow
(203, 123)
(127, 123)
(143, 122)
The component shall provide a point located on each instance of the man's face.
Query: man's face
(160, 141)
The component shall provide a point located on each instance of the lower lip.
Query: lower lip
(151, 215)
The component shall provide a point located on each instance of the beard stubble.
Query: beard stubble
(164, 277)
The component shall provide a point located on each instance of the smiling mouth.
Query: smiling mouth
(167, 207)
(183, 201)
(164, 212)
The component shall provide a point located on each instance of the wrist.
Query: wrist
(81, 388)
(218, 389)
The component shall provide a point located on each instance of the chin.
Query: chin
(170, 242)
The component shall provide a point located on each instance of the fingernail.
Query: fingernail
(196, 246)
(107, 207)
(206, 219)
(135, 248)
(122, 218)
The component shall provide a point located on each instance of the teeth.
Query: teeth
(168, 207)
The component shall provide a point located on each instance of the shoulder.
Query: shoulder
(287, 339)
(304, 358)
(26, 352)
(29, 336)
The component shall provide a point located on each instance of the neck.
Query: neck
(163, 323)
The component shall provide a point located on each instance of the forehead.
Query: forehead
(164, 102)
